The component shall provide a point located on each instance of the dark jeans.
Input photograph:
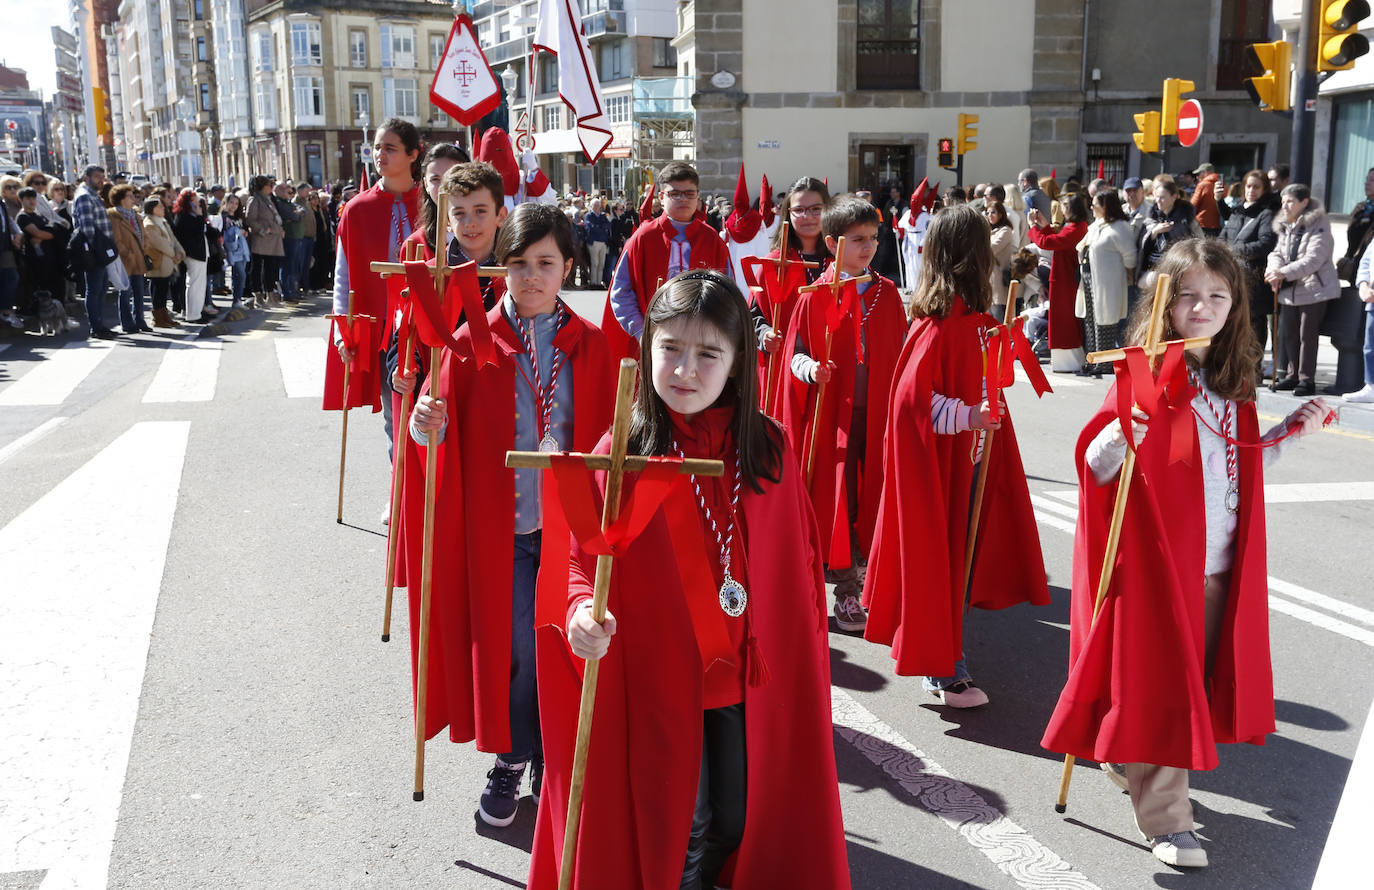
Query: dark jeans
(262, 272)
(305, 250)
(1369, 344)
(95, 281)
(524, 696)
(289, 265)
(239, 279)
(131, 304)
(718, 819)
(387, 407)
(158, 290)
(1298, 327)
(9, 289)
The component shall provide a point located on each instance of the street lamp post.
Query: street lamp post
(210, 140)
(363, 119)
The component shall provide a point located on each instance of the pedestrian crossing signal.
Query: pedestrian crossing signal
(946, 146)
(1340, 42)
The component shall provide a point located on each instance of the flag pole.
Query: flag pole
(398, 473)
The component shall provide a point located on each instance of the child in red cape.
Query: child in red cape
(659, 249)
(1178, 659)
(846, 458)
(550, 389)
(915, 588)
(805, 203)
(711, 760)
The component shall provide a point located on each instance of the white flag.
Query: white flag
(560, 32)
(463, 84)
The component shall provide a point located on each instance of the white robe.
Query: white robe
(757, 246)
(913, 239)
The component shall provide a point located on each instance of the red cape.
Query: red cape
(1135, 691)
(885, 332)
(780, 315)
(470, 608)
(364, 232)
(914, 589)
(647, 254)
(1065, 332)
(645, 750)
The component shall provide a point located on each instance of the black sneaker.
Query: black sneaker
(536, 778)
(502, 797)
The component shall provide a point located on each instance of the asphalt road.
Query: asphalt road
(196, 695)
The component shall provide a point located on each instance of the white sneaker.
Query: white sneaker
(1181, 849)
(386, 513)
(1363, 395)
(1117, 773)
(962, 695)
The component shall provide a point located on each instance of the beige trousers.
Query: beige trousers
(1159, 794)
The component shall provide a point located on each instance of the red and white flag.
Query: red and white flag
(464, 85)
(560, 32)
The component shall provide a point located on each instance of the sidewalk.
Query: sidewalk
(1352, 416)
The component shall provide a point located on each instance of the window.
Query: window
(201, 55)
(305, 43)
(616, 168)
(665, 55)
(618, 109)
(886, 47)
(198, 9)
(548, 73)
(484, 33)
(205, 102)
(262, 51)
(309, 99)
(1243, 22)
(398, 46)
(362, 104)
(357, 49)
(265, 100)
(1112, 156)
(436, 49)
(615, 60)
(553, 117)
(398, 97)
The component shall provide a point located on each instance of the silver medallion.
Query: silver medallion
(1233, 499)
(733, 597)
(549, 445)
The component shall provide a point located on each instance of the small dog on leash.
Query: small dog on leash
(52, 315)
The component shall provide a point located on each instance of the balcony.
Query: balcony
(611, 23)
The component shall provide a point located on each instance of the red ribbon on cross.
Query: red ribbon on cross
(1167, 389)
(435, 323)
(842, 307)
(356, 334)
(1006, 346)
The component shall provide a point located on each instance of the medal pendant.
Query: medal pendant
(733, 597)
(1233, 499)
(549, 445)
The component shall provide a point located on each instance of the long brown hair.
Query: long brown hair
(715, 299)
(805, 184)
(956, 262)
(428, 211)
(1232, 360)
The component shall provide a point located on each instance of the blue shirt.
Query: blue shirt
(624, 300)
(528, 492)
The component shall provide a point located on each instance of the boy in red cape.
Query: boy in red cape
(373, 226)
(659, 249)
(1177, 660)
(866, 333)
(711, 760)
(915, 591)
(488, 519)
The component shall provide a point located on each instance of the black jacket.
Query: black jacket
(190, 231)
(1250, 232)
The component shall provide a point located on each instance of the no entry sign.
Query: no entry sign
(1189, 122)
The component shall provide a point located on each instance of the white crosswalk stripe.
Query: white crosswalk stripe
(54, 379)
(188, 373)
(72, 665)
(301, 360)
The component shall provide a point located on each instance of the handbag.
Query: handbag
(119, 276)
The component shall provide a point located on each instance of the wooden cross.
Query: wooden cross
(616, 464)
(1154, 348)
(835, 286)
(783, 262)
(346, 319)
(406, 352)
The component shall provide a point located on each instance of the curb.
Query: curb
(1353, 415)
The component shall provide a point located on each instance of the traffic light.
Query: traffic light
(1147, 137)
(1271, 90)
(1174, 88)
(1339, 41)
(946, 159)
(968, 133)
(102, 115)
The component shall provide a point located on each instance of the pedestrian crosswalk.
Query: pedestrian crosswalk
(53, 380)
(188, 373)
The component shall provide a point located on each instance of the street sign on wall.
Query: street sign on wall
(69, 83)
(69, 102)
(65, 61)
(64, 39)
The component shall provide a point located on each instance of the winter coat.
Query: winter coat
(235, 242)
(1205, 202)
(1249, 229)
(161, 247)
(1111, 254)
(189, 229)
(263, 224)
(1153, 247)
(1303, 254)
(127, 243)
(1003, 249)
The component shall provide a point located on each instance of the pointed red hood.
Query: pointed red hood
(364, 181)
(497, 151)
(918, 197)
(743, 222)
(766, 202)
(932, 196)
(646, 207)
